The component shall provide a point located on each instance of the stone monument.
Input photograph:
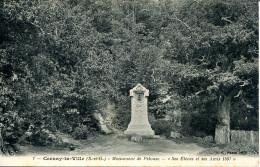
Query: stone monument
(139, 117)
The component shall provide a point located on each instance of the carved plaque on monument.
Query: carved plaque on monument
(139, 117)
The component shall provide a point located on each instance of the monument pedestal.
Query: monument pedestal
(142, 130)
(139, 117)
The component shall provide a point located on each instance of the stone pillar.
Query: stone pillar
(139, 116)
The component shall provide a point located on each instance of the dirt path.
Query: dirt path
(113, 145)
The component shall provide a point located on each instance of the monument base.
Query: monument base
(141, 130)
(144, 137)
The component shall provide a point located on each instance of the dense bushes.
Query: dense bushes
(122, 119)
(81, 132)
(11, 131)
(163, 127)
(58, 63)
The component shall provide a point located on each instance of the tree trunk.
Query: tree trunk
(222, 131)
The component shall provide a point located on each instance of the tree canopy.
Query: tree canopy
(61, 61)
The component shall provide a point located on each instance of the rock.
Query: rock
(198, 138)
(135, 138)
(101, 123)
(65, 140)
(61, 141)
(176, 135)
(208, 138)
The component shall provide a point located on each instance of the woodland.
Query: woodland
(63, 61)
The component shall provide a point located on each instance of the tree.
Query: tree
(216, 45)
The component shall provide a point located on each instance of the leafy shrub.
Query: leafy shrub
(81, 132)
(40, 137)
(162, 127)
(122, 117)
(11, 132)
(200, 124)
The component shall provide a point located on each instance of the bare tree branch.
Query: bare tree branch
(244, 83)
(226, 19)
(38, 27)
(247, 105)
(203, 58)
(239, 93)
(197, 93)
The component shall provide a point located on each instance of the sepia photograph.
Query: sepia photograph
(129, 83)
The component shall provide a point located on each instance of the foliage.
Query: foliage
(161, 126)
(81, 132)
(205, 52)
(60, 60)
